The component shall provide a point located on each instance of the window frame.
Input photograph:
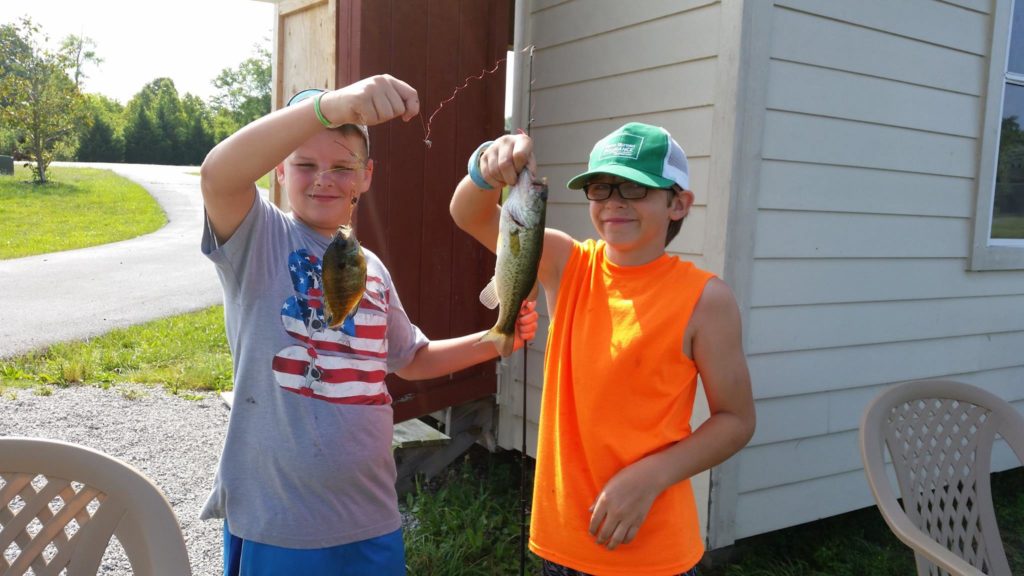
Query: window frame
(1000, 254)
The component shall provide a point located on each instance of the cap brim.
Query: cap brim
(626, 172)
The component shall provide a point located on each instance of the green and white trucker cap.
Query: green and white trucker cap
(639, 152)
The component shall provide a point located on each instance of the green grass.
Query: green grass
(468, 519)
(263, 182)
(183, 353)
(1008, 227)
(860, 542)
(78, 207)
(851, 544)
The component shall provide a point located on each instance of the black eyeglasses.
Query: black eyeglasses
(627, 190)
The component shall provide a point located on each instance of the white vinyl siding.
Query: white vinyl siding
(865, 207)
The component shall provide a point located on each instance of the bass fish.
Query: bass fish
(344, 276)
(520, 241)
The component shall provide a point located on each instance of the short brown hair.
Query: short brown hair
(674, 225)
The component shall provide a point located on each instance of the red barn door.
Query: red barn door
(434, 45)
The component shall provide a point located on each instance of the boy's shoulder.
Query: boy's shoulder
(717, 303)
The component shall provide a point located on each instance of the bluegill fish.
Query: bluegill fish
(344, 276)
(520, 241)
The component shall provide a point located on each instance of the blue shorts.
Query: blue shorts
(383, 555)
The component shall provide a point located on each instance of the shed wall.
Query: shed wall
(865, 202)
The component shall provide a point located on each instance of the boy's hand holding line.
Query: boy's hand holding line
(371, 101)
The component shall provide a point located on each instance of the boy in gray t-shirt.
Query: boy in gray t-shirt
(306, 480)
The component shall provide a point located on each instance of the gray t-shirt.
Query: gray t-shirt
(307, 460)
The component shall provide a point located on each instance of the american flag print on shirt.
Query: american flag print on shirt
(345, 365)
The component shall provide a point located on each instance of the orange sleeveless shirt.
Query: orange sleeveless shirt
(617, 387)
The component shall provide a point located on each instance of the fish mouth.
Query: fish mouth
(540, 188)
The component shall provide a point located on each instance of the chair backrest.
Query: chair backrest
(939, 434)
(60, 504)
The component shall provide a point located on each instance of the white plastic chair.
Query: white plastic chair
(60, 504)
(939, 434)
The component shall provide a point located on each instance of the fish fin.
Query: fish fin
(346, 322)
(334, 323)
(504, 343)
(489, 295)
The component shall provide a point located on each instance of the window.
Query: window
(999, 215)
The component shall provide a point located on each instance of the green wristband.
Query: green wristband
(320, 115)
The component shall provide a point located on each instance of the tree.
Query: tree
(1009, 191)
(102, 140)
(40, 103)
(81, 51)
(161, 128)
(244, 93)
(154, 124)
(198, 130)
(12, 49)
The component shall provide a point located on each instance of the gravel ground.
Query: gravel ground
(174, 441)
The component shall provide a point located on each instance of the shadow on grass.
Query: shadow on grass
(467, 522)
(859, 543)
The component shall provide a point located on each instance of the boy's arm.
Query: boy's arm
(476, 210)
(232, 167)
(440, 357)
(717, 349)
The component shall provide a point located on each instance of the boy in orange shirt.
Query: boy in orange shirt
(631, 329)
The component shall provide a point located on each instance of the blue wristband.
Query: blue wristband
(474, 167)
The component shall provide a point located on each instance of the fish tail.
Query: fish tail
(505, 343)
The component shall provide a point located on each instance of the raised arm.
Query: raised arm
(230, 170)
(476, 210)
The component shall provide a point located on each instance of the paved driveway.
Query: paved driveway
(80, 293)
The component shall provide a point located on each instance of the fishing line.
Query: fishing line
(522, 468)
(465, 84)
(522, 477)
(426, 140)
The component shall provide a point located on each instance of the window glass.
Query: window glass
(1008, 199)
(998, 237)
(1015, 63)
(1008, 204)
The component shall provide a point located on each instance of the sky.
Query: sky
(188, 41)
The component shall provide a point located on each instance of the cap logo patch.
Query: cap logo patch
(625, 146)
